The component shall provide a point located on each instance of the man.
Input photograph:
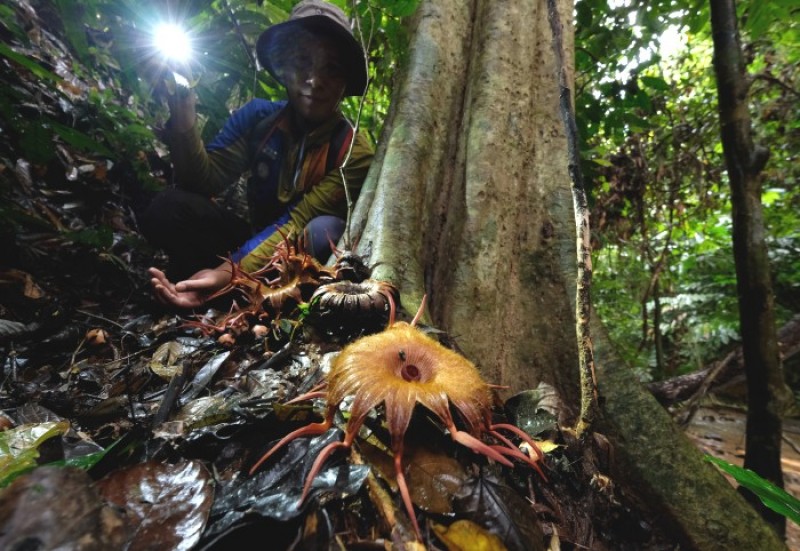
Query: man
(292, 149)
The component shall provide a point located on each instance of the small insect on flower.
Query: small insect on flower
(401, 367)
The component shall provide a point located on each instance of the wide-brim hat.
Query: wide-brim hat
(319, 18)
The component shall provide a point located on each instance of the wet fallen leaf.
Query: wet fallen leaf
(29, 287)
(433, 478)
(169, 504)
(19, 447)
(491, 503)
(58, 508)
(274, 490)
(464, 535)
(163, 363)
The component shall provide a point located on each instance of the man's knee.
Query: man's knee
(165, 215)
(321, 233)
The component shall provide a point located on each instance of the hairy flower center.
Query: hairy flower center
(410, 372)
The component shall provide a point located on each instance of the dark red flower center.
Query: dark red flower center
(410, 372)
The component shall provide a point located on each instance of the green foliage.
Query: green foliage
(19, 450)
(112, 40)
(103, 103)
(664, 277)
(770, 495)
(29, 64)
(100, 238)
(19, 447)
(224, 33)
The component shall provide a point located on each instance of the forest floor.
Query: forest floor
(109, 393)
(720, 430)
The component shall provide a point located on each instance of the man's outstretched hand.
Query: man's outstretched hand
(192, 292)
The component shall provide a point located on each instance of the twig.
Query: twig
(362, 101)
(170, 396)
(589, 395)
(101, 318)
(241, 34)
(791, 443)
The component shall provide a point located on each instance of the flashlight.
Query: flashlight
(175, 47)
(173, 42)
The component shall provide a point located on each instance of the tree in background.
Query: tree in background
(655, 173)
(662, 200)
(766, 392)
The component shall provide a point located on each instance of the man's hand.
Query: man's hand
(182, 108)
(192, 292)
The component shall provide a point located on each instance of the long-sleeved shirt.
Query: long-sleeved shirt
(282, 196)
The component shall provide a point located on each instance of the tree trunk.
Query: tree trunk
(766, 392)
(475, 206)
(469, 203)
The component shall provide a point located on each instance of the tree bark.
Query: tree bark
(654, 456)
(767, 395)
(470, 204)
(475, 204)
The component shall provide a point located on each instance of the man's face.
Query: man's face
(314, 78)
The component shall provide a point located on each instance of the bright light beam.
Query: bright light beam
(173, 42)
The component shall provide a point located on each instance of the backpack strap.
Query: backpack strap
(262, 131)
(341, 137)
(339, 145)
